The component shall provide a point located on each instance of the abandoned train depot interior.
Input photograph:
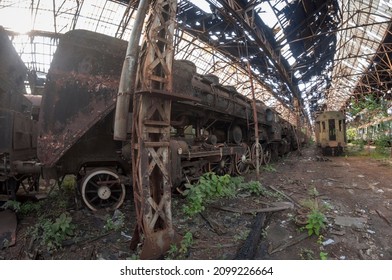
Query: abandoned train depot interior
(196, 130)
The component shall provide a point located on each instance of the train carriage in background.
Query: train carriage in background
(330, 131)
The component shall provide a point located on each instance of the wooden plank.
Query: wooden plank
(287, 205)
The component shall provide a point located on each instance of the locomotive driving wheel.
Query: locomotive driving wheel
(267, 154)
(101, 189)
(242, 161)
(222, 167)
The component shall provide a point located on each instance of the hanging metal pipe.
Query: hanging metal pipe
(257, 143)
(128, 74)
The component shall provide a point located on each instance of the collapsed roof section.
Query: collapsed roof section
(308, 36)
(235, 29)
(321, 52)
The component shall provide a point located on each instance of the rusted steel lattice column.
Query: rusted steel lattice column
(151, 132)
(297, 131)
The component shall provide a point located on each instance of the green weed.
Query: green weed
(116, 222)
(306, 254)
(52, 234)
(181, 252)
(323, 256)
(316, 222)
(12, 205)
(269, 168)
(209, 187)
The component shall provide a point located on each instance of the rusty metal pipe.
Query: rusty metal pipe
(128, 74)
(255, 121)
(26, 167)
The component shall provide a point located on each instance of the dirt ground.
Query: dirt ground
(354, 193)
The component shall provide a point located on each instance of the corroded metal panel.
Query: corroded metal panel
(80, 91)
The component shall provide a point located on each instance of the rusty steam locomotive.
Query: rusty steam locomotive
(18, 130)
(212, 124)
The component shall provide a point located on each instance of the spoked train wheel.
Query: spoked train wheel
(242, 161)
(101, 189)
(267, 154)
(222, 167)
(261, 155)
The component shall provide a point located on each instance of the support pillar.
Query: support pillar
(151, 132)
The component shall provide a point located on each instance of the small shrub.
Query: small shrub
(209, 187)
(307, 254)
(381, 144)
(12, 205)
(181, 252)
(269, 168)
(316, 222)
(116, 222)
(313, 192)
(68, 183)
(29, 208)
(323, 256)
(253, 187)
(52, 234)
(309, 203)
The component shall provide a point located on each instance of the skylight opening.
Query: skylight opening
(203, 5)
(20, 24)
(374, 35)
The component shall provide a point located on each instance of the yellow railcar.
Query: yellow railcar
(330, 132)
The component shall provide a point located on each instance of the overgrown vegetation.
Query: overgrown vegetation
(323, 256)
(316, 220)
(371, 103)
(269, 168)
(51, 234)
(116, 222)
(12, 205)
(366, 110)
(351, 134)
(23, 209)
(68, 183)
(54, 224)
(382, 142)
(380, 149)
(182, 251)
(306, 254)
(211, 187)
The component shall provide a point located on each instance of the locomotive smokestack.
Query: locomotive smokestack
(128, 74)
